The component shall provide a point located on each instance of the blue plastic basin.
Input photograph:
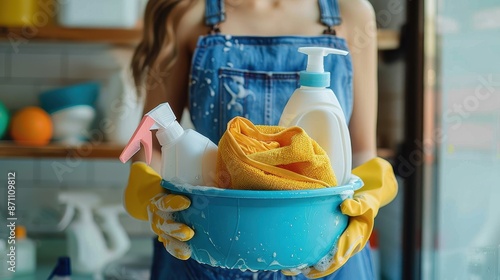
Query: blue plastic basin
(263, 230)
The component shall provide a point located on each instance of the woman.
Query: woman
(239, 58)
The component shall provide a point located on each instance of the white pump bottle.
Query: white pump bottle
(187, 156)
(316, 109)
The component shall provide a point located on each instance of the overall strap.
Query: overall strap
(214, 14)
(330, 14)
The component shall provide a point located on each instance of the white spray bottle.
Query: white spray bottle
(187, 156)
(316, 109)
(87, 247)
(118, 239)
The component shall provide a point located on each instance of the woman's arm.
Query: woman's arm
(171, 86)
(360, 31)
(166, 87)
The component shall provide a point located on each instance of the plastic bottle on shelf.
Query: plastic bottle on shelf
(19, 13)
(316, 109)
(25, 252)
(187, 156)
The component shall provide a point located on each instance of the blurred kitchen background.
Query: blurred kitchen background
(439, 124)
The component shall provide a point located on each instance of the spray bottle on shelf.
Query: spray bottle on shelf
(187, 156)
(316, 109)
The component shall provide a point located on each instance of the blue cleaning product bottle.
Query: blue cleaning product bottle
(62, 270)
(316, 109)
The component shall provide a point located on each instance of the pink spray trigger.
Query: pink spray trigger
(158, 118)
(143, 136)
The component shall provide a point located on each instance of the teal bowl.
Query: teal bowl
(69, 96)
(263, 230)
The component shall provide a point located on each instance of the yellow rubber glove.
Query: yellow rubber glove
(145, 199)
(380, 188)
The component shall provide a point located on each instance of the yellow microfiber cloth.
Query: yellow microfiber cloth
(271, 158)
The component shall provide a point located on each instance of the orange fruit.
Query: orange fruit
(31, 126)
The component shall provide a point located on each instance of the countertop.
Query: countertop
(138, 257)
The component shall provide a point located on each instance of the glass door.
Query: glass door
(461, 195)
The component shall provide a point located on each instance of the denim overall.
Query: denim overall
(253, 77)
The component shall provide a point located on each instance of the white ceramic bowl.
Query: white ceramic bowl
(71, 125)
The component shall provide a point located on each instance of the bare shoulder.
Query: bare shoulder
(358, 19)
(356, 10)
(356, 14)
(189, 22)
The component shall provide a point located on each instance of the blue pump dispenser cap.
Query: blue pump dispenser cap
(315, 75)
(314, 79)
(62, 269)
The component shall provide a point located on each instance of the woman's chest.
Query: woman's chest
(269, 18)
(272, 18)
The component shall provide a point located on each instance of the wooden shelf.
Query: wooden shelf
(387, 39)
(56, 33)
(11, 150)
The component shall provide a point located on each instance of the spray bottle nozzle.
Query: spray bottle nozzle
(315, 57)
(158, 118)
